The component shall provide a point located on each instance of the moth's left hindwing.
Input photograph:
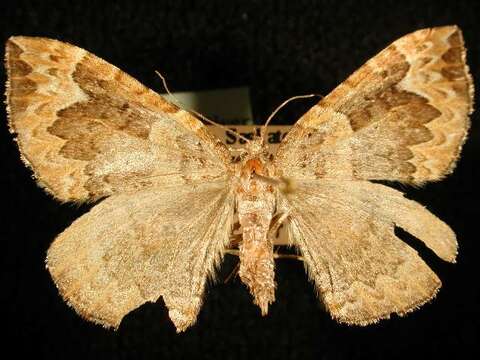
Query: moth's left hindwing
(129, 250)
(89, 130)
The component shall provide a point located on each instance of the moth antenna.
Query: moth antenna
(264, 127)
(166, 87)
(220, 126)
(203, 117)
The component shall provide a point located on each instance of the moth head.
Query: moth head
(256, 148)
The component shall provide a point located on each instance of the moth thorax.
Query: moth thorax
(254, 166)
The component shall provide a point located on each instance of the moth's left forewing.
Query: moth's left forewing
(89, 130)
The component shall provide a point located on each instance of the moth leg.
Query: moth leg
(273, 233)
(233, 273)
(235, 252)
(288, 256)
(235, 240)
(275, 226)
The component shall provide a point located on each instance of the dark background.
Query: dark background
(278, 49)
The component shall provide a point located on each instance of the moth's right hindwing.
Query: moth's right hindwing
(362, 270)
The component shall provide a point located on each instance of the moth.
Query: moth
(170, 189)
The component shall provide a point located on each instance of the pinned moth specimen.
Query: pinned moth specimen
(170, 189)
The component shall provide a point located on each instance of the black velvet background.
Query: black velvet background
(279, 49)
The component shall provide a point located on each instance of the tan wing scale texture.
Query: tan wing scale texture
(129, 250)
(364, 273)
(402, 116)
(89, 130)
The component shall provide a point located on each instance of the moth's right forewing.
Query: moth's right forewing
(402, 116)
(89, 130)
(129, 250)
